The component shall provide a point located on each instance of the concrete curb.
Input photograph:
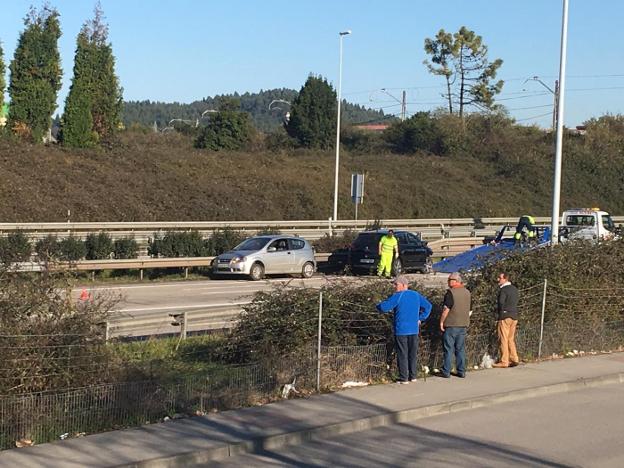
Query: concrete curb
(362, 424)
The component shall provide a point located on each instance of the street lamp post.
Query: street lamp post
(341, 35)
(554, 226)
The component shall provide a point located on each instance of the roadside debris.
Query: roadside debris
(351, 383)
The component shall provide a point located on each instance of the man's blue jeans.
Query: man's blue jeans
(407, 355)
(454, 344)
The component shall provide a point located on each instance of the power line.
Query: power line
(534, 117)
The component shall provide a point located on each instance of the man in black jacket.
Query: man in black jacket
(507, 309)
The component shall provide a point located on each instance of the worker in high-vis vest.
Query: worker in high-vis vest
(526, 226)
(388, 246)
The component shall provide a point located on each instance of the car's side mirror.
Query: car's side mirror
(271, 249)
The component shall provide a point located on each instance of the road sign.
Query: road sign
(357, 188)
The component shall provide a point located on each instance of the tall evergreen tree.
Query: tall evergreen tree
(95, 88)
(2, 83)
(313, 114)
(77, 122)
(35, 74)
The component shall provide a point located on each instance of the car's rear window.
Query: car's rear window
(255, 243)
(367, 239)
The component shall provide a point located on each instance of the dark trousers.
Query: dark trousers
(407, 353)
(454, 344)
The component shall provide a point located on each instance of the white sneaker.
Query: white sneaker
(402, 382)
(413, 380)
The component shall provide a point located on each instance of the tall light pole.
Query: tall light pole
(341, 35)
(554, 226)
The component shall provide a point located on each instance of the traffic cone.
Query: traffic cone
(84, 295)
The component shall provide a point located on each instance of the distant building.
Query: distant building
(372, 127)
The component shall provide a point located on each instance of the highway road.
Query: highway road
(144, 309)
(582, 428)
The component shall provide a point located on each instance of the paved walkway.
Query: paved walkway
(201, 439)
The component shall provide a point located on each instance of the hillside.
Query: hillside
(257, 104)
(158, 177)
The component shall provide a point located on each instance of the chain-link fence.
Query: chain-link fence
(550, 324)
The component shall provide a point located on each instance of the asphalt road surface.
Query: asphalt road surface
(582, 428)
(145, 308)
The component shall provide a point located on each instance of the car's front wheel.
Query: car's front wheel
(256, 272)
(308, 270)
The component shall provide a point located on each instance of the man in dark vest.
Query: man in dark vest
(454, 321)
(507, 321)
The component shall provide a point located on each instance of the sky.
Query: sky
(185, 50)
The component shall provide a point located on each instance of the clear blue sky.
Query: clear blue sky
(184, 50)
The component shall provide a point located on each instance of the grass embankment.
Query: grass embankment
(161, 177)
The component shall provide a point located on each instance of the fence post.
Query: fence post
(106, 331)
(183, 327)
(318, 347)
(539, 349)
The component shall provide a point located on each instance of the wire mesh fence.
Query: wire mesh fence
(553, 326)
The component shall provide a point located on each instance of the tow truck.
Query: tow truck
(587, 224)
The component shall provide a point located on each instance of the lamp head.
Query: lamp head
(345, 33)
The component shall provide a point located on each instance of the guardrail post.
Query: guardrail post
(330, 227)
(318, 347)
(185, 272)
(539, 349)
(141, 274)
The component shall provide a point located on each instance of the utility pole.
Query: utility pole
(403, 106)
(554, 124)
(402, 101)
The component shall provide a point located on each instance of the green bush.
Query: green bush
(362, 141)
(178, 244)
(71, 249)
(223, 240)
(279, 140)
(226, 130)
(419, 132)
(15, 247)
(47, 248)
(99, 246)
(126, 247)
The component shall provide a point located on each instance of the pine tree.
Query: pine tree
(313, 114)
(462, 58)
(2, 83)
(35, 74)
(93, 105)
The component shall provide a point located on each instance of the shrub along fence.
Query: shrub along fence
(321, 340)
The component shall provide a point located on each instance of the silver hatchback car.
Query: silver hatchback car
(262, 255)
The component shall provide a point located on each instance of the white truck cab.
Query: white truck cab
(587, 224)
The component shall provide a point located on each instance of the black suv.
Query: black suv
(413, 252)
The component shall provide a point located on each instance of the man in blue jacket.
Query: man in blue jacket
(410, 308)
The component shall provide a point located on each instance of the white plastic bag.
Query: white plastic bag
(487, 361)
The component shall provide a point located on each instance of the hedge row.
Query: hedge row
(16, 247)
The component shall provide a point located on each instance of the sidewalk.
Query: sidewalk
(201, 439)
